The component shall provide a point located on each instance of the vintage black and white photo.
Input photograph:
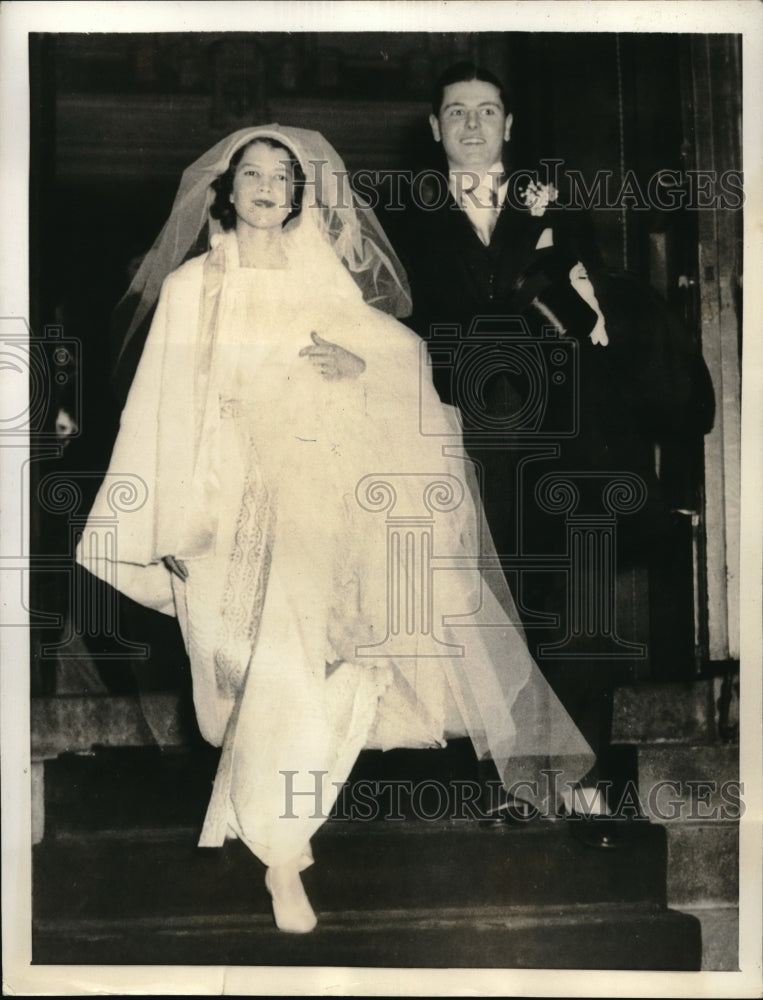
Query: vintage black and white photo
(380, 526)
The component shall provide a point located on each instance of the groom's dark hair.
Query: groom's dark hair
(462, 72)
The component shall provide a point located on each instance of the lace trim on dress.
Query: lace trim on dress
(246, 579)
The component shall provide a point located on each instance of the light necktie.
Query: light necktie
(480, 204)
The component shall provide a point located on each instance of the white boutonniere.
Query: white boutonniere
(537, 197)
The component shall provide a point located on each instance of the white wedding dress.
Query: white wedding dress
(334, 598)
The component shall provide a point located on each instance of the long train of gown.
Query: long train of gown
(334, 599)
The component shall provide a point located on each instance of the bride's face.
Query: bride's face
(262, 187)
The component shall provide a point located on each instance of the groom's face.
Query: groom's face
(472, 125)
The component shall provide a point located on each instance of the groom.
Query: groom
(467, 253)
(618, 377)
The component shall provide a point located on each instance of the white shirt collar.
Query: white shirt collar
(460, 181)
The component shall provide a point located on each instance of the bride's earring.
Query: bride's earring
(291, 907)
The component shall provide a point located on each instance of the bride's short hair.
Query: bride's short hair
(222, 208)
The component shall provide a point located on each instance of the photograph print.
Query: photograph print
(383, 498)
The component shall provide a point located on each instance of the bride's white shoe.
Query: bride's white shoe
(291, 907)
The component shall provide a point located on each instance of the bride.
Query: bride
(310, 518)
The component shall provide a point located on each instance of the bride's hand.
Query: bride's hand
(332, 361)
(176, 566)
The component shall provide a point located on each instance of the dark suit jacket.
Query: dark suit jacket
(647, 383)
(455, 279)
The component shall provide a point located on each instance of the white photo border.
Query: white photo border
(17, 21)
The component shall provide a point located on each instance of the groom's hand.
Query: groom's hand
(332, 361)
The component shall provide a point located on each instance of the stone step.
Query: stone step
(118, 879)
(132, 807)
(61, 724)
(376, 865)
(676, 712)
(579, 937)
(720, 936)
(700, 783)
(703, 864)
(672, 712)
(114, 788)
(128, 788)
